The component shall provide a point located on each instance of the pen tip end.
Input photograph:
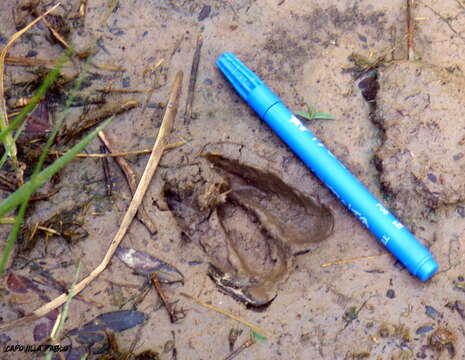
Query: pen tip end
(427, 269)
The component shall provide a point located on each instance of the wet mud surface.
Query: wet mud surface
(241, 222)
(422, 158)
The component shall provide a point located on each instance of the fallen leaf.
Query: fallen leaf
(144, 264)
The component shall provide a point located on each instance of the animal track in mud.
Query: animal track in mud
(250, 223)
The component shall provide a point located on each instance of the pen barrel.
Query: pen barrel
(349, 190)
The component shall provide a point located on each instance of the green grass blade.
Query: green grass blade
(257, 336)
(7, 140)
(315, 116)
(57, 125)
(304, 114)
(5, 154)
(64, 314)
(61, 118)
(323, 116)
(48, 81)
(22, 195)
(3, 159)
(12, 236)
(12, 201)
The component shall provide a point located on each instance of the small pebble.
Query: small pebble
(305, 337)
(432, 177)
(451, 349)
(4, 338)
(126, 82)
(362, 38)
(460, 307)
(431, 312)
(31, 53)
(391, 294)
(423, 330)
(208, 81)
(460, 210)
(169, 346)
(117, 31)
(384, 332)
(205, 12)
(195, 262)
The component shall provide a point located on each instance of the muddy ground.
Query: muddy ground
(408, 149)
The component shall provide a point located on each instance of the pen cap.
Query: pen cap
(247, 84)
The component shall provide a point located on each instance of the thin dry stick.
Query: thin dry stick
(155, 82)
(171, 311)
(153, 67)
(7, 220)
(55, 33)
(108, 67)
(192, 80)
(131, 178)
(82, 8)
(248, 343)
(121, 91)
(444, 19)
(346, 261)
(160, 143)
(22, 61)
(49, 230)
(93, 119)
(107, 172)
(254, 327)
(410, 29)
(119, 154)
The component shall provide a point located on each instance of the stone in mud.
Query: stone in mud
(250, 224)
(420, 107)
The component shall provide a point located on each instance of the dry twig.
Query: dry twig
(192, 80)
(155, 69)
(82, 8)
(248, 343)
(22, 61)
(410, 30)
(121, 91)
(253, 327)
(444, 19)
(106, 172)
(171, 311)
(55, 33)
(93, 119)
(131, 178)
(144, 183)
(108, 67)
(346, 261)
(119, 154)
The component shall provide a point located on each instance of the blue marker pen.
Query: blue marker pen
(324, 164)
